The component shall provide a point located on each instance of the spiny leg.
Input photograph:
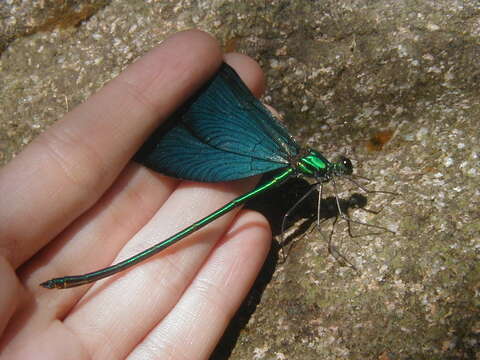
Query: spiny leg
(368, 191)
(287, 214)
(337, 255)
(330, 247)
(352, 202)
(347, 218)
(357, 201)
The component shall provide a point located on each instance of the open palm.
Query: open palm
(72, 202)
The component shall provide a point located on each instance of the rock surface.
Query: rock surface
(341, 72)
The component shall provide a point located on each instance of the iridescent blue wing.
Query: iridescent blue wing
(222, 133)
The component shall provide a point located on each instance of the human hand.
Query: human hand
(73, 203)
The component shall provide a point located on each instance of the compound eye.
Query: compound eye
(347, 165)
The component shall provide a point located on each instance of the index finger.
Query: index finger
(65, 170)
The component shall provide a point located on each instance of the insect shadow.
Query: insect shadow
(279, 201)
(274, 205)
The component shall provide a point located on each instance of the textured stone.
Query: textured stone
(340, 72)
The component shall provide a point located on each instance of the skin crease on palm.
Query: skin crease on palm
(72, 202)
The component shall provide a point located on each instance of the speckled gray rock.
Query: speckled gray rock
(22, 18)
(340, 71)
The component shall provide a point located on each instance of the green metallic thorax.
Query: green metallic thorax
(313, 164)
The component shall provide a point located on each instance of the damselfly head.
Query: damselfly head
(343, 166)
